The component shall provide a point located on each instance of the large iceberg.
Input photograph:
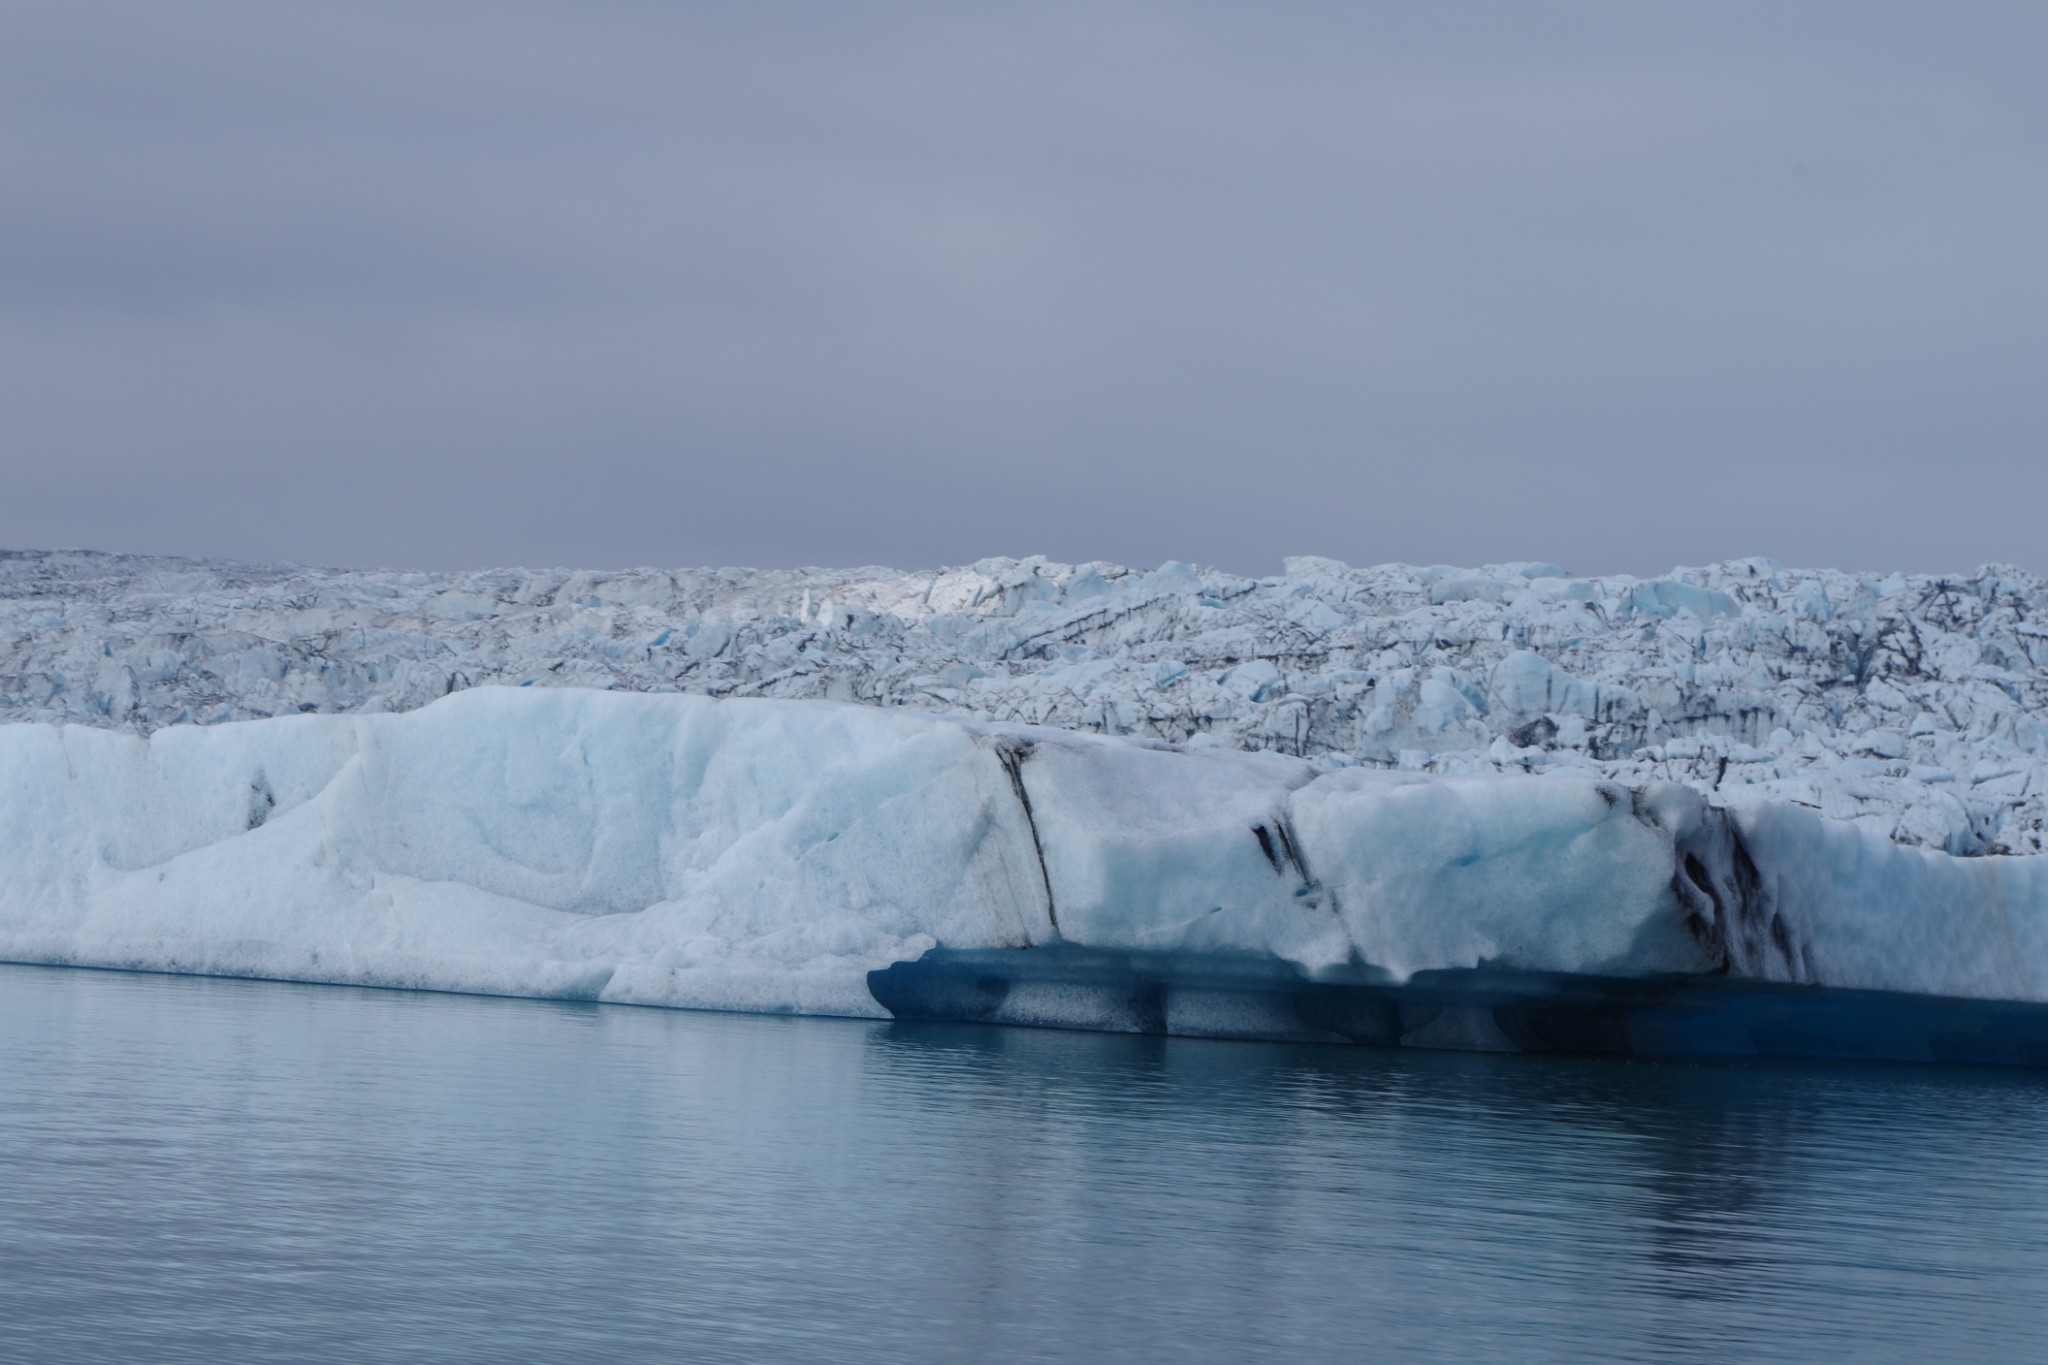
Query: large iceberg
(1737, 809)
(790, 855)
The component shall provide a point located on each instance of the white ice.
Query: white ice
(1912, 706)
(766, 854)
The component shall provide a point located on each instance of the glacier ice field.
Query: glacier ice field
(1363, 793)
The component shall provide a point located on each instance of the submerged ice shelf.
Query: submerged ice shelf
(1486, 808)
(789, 855)
(1460, 1009)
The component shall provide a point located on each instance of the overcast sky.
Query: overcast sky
(438, 284)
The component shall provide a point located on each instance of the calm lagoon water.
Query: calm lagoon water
(224, 1170)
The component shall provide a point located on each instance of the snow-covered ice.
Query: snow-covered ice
(1781, 776)
(1912, 705)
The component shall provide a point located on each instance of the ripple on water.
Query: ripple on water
(207, 1170)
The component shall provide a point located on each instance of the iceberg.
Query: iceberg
(1739, 810)
(823, 857)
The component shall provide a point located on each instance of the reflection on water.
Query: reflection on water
(218, 1170)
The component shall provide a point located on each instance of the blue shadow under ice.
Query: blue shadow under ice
(1465, 1011)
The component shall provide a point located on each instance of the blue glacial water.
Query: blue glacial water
(226, 1171)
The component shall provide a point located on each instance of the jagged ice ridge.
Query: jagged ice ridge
(1910, 705)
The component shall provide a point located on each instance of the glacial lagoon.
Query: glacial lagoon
(200, 1169)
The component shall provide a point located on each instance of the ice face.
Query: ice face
(1910, 706)
(1343, 775)
(768, 855)
(562, 843)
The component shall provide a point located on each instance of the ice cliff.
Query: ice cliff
(775, 790)
(769, 855)
(1910, 706)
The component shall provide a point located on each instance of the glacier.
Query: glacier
(1911, 705)
(1473, 808)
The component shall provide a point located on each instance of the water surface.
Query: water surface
(220, 1170)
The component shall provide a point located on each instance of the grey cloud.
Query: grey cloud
(1613, 285)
